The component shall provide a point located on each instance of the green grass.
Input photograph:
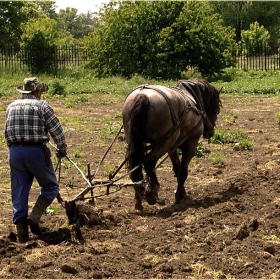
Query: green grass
(233, 81)
(249, 82)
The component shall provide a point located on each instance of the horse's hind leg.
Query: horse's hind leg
(139, 194)
(152, 193)
(137, 176)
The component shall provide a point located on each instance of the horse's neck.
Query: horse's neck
(184, 92)
(193, 91)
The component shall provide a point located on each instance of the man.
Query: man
(29, 124)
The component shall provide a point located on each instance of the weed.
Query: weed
(278, 118)
(222, 136)
(73, 100)
(57, 89)
(217, 158)
(246, 144)
(199, 149)
(77, 154)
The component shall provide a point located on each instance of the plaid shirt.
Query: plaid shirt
(31, 120)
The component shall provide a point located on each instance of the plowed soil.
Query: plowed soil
(228, 227)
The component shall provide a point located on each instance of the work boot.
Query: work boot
(22, 231)
(33, 219)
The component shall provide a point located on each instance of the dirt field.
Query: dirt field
(228, 227)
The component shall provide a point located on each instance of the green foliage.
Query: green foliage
(239, 83)
(240, 14)
(222, 136)
(278, 118)
(77, 154)
(159, 39)
(217, 158)
(57, 88)
(12, 15)
(248, 82)
(70, 23)
(199, 149)
(39, 34)
(198, 37)
(40, 40)
(254, 39)
(245, 144)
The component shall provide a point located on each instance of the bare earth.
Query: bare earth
(228, 227)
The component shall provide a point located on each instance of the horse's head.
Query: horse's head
(210, 103)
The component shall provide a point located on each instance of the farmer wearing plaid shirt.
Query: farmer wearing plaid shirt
(30, 122)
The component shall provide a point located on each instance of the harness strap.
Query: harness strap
(184, 139)
(194, 90)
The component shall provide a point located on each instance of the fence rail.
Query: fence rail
(59, 58)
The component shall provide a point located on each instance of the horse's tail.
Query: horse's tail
(136, 147)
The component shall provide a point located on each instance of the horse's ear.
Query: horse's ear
(220, 90)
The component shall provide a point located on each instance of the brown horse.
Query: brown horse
(159, 120)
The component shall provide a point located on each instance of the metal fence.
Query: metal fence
(60, 58)
(56, 58)
(263, 57)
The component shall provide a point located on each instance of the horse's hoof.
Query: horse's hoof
(138, 206)
(179, 199)
(151, 198)
(161, 202)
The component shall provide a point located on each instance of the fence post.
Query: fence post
(55, 61)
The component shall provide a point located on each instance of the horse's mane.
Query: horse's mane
(209, 98)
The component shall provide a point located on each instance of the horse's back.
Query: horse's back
(165, 107)
(163, 116)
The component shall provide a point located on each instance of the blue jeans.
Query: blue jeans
(27, 163)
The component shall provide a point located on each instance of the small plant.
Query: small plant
(217, 158)
(77, 154)
(222, 136)
(231, 120)
(52, 210)
(72, 100)
(246, 144)
(58, 89)
(199, 149)
(278, 118)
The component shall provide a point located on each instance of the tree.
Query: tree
(196, 39)
(70, 22)
(255, 39)
(12, 14)
(240, 14)
(48, 8)
(38, 39)
(159, 39)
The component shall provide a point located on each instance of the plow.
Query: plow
(110, 185)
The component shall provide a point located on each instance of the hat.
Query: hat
(32, 84)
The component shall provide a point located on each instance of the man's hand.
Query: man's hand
(60, 154)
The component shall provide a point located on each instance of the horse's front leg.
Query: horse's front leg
(188, 151)
(152, 193)
(175, 162)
